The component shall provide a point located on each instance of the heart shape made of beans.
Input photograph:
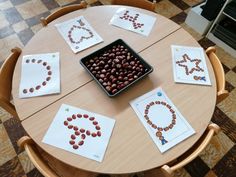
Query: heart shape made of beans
(89, 34)
(79, 133)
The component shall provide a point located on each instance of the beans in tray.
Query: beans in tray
(115, 68)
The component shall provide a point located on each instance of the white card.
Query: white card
(78, 34)
(40, 75)
(133, 21)
(189, 65)
(164, 123)
(81, 132)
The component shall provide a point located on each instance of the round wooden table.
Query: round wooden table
(130, 148)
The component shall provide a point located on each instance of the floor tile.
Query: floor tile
(228, 106)
(4, 115)
(5, 5)
(64, 2)
(3, 20)
(36, 28)
(191, 31)
(95, 3)
(179, 18)
(12, 15)
(6, 31)
(205, 43)
(229, 86)
(210, 174)
(34, 173)
(226, 58)
(36, 19)
(197, 168)
(25, 35)
(231, 78)
(17, 2)
(216, 149)
(181, 173)
(50, 4)
(25, 162)
(180, 4)
(7, 152)
(226, 167)
(192, 2)
(7, 44)
(19, 26)
(234, 69)
(31, 9)
(226, 69)
(15, 132)
(167, 9)
(12, 168)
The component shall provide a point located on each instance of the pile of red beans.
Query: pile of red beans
(116, 68)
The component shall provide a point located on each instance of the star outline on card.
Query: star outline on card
(81, 133)
(44, 82)
(159, 129)
(187, 59)
(132, 19)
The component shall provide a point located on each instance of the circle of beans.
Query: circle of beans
(116, 68)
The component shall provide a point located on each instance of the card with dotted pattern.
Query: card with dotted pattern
(133, 21)
(78, 34)
(40, 75)
(162, 120)
(81, 132)
(189, 65)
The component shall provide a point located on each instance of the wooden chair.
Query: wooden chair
(191, 154)
(144, 4)
(47, 165)
(6, 73)
(219, 74)
(62, 11)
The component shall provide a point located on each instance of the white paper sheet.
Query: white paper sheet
(40, 75)
(78, 34)
(133, 21)
(189, 65)
(162, 120)
(81, 132)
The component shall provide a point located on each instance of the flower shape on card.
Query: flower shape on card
(44, 82)
(79, 135)
(132, 19)
(78, 39)
(184, 63)
(160, 129)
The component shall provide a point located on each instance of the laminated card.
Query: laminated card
(81, 132)
(40, 75)
(162, 120)
(78, 34)
(133, 21)
(189, 65)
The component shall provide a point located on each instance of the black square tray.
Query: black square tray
(101, 64)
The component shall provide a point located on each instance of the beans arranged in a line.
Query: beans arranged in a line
(116, 68)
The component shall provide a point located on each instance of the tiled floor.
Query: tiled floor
(19, 21)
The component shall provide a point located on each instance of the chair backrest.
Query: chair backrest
(6, 74)
(192, 153)
(62, 11)
(144, 4)
(47, 165)
(219, 74)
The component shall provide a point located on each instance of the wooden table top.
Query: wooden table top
(73, 75)
(130, 148)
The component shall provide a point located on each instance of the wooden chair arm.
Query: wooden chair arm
(62, 11)
(27, 143)
(211, 130)
(221, 95)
